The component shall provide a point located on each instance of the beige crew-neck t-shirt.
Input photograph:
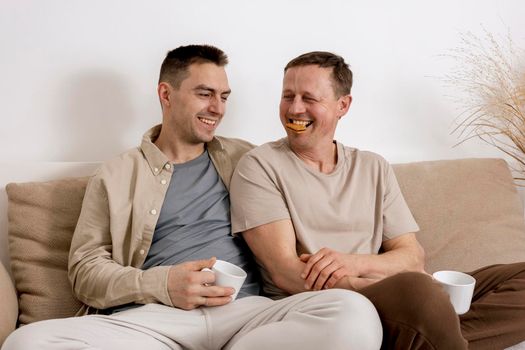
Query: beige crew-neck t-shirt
(352, 210)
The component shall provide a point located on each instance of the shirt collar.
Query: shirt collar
(158, 160)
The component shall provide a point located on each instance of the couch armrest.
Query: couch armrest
(8, 305)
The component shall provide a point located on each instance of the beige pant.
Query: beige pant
(331, 319)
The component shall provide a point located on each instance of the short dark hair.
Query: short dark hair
(174, 68)
(342, 77)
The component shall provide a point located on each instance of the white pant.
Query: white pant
(331, 319)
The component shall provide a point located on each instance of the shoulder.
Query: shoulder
(268, 150)
(234, 145)
(122, 166)
(365, 158)
(232, 148)
(268, 153)
(367, 164)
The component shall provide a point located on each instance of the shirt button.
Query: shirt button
(156, 170)
(167, 166)
(142, 252)
(163, 181)
(153, 212)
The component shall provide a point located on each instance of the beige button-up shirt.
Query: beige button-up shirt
(119, 214)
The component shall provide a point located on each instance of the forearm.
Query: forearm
(391, 262)
(387, 264)
(286, 274)
(273, 245)
(374, 268)
(103, 283)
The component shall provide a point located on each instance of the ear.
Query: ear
(164, 92)
(343, 105)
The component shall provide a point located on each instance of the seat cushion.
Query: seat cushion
(42, 217)
(468, 210)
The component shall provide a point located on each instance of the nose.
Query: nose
(217, 105)
(297, 106)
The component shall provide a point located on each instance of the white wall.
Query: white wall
(78, 78)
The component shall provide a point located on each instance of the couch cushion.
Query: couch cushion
(42, 217)
(468, 210)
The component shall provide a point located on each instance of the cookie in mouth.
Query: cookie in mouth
(298, 125)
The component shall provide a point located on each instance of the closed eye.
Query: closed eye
(309, 98)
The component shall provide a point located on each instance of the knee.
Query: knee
(418, 297)
(520, 268)
(38, 335)
(25, 337)
(356, 324)
(419, 288)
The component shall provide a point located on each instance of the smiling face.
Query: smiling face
(309, 108)
(195, 109)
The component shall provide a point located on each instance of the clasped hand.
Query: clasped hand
(189, 287)
(331, 269)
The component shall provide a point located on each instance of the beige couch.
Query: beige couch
(469, 212)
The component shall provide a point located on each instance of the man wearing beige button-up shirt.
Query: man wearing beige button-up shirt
(153, 218)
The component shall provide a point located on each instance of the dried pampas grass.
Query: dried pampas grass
(491, 75)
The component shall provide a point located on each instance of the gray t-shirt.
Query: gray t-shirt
(194, 223)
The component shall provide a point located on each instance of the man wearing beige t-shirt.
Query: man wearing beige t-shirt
(320, 215)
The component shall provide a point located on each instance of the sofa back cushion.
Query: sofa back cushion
(42, 217)
(468, 210)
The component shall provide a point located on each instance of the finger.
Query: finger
(198, 265)
(325, 274)
(199, 278)
(315, 272)
(207, 278)
(334, 278)
(311, 262)
(305, 257)
(216, 291)
(217, 301)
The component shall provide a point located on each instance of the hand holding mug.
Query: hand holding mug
(189, 287)
(228, 275)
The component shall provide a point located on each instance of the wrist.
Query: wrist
(356, 264)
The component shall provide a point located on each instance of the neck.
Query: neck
(323, 159)
(178, 151)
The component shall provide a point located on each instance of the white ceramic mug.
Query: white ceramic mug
(459, 286)
(228, 275)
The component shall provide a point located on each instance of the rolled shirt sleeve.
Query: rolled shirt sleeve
(97, 267)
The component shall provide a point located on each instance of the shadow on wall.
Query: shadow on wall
(97, 117)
